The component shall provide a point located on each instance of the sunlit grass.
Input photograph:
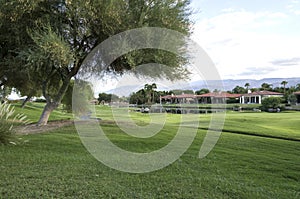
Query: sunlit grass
(56, 165)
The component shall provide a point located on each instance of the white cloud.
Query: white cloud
(228, 10)
(294, 7)
(239, 40)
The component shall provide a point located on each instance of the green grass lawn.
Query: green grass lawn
(56, 165)
(34, 110)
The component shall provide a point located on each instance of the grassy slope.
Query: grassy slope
(55, 164)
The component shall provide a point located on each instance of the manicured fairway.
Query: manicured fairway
(56, 165)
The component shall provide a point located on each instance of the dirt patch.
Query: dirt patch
(52, 125)
(33, 128)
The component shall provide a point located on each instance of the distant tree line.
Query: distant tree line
(266, 87)
(107, 98)
(149, 95)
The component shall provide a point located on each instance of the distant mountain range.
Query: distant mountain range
(228, 84)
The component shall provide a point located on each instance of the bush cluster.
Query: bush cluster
(271, 103)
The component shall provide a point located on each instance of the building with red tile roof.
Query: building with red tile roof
(257, 97)
(215, 97)
(176, 99)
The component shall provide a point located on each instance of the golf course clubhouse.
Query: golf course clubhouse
(221, 97)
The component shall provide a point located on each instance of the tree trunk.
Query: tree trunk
(52, 104)
(46, 113)
(25, 101)
(149, 97)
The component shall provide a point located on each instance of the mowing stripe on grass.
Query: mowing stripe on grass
(253, 134)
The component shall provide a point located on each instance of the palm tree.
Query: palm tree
(153, 91)
(147, 89)
(247, 86)
(284, 83)
(150, 91)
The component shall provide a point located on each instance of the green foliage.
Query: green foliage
(67, 99)
(147, 95)
(4, 92)
(202, 91)
(78, 97)
(297, 87)
(86, 93)
(266, 87)
(180, 91)
(138, 97)
(150, 92)
(232, 101)
(49, 46)
(239, 90)
(7, 119)
(284, 83)
(292, 99)
(247, 85)
(271, 102)
(106, 98)
(53, 38)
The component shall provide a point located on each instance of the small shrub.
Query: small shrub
(292, 99)
(41, 100)
(232, 101)
(7, 119)
(270, 103)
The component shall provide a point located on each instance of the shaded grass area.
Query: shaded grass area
(55, 164)
(34, 110)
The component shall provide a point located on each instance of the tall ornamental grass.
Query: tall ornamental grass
(7, 120)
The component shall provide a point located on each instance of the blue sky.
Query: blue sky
(246, 39)
(249, 39)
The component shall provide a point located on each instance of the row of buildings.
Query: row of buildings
(223, 97)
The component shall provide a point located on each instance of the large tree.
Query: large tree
(202, 91)
(104, 97)
(150, 90)
(51, 39)
(266, 87)
(239, 90)
(138, 97)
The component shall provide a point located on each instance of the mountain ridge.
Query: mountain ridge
(228, 84)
